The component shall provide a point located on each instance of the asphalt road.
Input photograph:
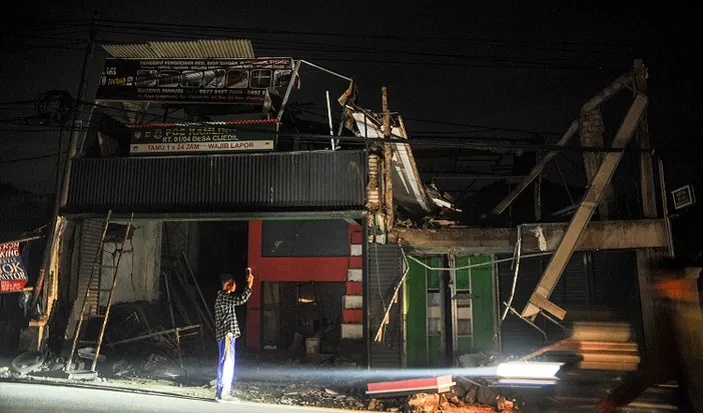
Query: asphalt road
(36, 398)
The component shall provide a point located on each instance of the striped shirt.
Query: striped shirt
(225, 317)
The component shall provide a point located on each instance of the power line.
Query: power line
(309, 47)
(351, 48)
(33, 158)
(404, 37)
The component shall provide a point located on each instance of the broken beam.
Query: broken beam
(177, 330)
(585, 211)
(548, 306)
(535, 171)
(606, 235)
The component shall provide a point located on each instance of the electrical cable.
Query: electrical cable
(404, 37)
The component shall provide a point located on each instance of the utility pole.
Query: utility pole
(649, 200)
(62, 195)
(388, 164)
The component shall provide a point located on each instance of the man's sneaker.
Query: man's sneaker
(228, 399)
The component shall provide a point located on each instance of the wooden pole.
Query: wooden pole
(388, 164)
(62, 195)
(197, 287)
(649, 199)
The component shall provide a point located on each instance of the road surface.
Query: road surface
(40, 398)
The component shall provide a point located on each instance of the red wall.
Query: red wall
(289, 269)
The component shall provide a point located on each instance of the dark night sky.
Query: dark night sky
(604, 37)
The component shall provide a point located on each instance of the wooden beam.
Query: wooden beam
(548, 306)
(599, 235)
(649, 199)
(583, 214)
(605, 235)
(617, 85)
(387, 157)
(535, 171)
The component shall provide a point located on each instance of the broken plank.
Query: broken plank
(548, 306)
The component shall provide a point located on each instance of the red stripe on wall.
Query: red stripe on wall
(355, 288)
(318, 269)
(356, 237)
(355, 316)
(355, 263)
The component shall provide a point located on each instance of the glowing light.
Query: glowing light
(544, 371)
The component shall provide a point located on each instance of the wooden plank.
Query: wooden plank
(613, 88)
(585, 211)
(535, 171)
(547, 305)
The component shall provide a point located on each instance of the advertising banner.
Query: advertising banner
(13, 276)
(185, 139)
(233, 81)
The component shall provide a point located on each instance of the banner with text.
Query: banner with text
(202, 138)
(13, 276)
(242, 81)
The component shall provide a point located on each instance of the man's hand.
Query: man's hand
(250, 278)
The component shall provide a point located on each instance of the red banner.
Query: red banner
(13, 276)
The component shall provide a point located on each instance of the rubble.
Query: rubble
(422, 403)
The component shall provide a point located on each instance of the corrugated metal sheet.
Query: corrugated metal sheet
(286, 181)
(385, 270)
(91, 232)
(205, 48)
(573, 291)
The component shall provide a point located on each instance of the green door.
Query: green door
(473, 307)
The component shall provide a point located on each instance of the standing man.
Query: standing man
(227, 330)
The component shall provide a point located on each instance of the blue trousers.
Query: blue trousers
(225, 366)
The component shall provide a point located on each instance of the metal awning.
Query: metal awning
(220, 185)
(194, 49)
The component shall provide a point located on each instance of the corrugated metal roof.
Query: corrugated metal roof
(285, 181)
(194, 49)
(411, 191)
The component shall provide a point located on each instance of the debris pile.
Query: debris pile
(439, 394)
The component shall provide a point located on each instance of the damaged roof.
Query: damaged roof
(408, 188)
(194, 49)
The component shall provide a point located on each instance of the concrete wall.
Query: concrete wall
(140, 266)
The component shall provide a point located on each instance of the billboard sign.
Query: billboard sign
(13, 276)
(185, 139)
(232, 81)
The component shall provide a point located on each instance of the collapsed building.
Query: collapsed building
(186, 172)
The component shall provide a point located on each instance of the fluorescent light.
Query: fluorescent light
(528, 370)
